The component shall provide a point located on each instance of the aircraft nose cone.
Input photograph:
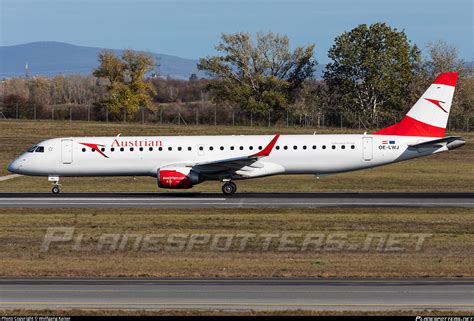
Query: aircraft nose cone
(14, 166)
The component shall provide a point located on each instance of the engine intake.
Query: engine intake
(177, 177)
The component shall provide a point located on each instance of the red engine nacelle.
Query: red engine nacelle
(177, 177)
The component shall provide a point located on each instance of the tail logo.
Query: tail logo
(437, 103)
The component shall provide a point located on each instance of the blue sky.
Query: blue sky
(191, 28)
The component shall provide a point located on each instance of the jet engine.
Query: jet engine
(177, 177)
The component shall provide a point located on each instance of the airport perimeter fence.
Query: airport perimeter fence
(195, 114)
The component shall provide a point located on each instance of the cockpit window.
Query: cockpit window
(32, 149)
(40, 149)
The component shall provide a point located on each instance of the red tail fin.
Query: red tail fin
(429, 116)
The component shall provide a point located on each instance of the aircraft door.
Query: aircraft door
(66, 151)
(367, 148)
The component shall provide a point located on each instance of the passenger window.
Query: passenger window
(189, 148)
(179, 148)
(295, 147)
(343, 147)
(141, 149)
(201, 148)
(333, 147)
(352, 147)
(102, 149)
(131, 149)
(241, 147)
(40, 149)
(211, 148)
(259, 147)
(278, 147)
(112, 149)
(314, 146)
(324, 146)
(83, 150)
(231, 147)
(304, 146)
(122, 149)
(285, 147)
(150, 149)
(251, 147)
(170, 148)
(222, 147)
(160, 148)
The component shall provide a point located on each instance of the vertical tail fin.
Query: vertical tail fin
(429, 116)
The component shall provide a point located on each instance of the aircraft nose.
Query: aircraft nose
(14, 166)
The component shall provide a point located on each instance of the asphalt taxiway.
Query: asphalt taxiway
(238, 200)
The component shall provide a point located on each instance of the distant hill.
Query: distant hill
(53, 58)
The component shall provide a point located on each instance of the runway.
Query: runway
(239, 294)
(239, 200)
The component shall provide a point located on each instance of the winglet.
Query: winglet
(267, 150)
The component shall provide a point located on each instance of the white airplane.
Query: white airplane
(180, 162)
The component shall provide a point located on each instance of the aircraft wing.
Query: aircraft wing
(233, 164)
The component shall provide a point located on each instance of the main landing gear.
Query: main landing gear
(56, 186)
(229, 188)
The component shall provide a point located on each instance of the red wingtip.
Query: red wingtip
(447, 78)
(266, 151)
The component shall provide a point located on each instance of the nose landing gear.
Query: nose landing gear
(229, 188)
(56, 186)
(56, 189)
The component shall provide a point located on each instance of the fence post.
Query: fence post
(215, 116)
(233, 118)
(88, 113)
(161, 115)
(287, 118)
(106, 115)
(143, 115)
(269, 118)
(52, 113)
(179, 117)
(341, 120)
(34, 111)
(16, 111)
(197, 115)
(251, 118)
(70, 114)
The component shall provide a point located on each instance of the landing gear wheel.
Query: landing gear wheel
(55, 189)
(229, 188)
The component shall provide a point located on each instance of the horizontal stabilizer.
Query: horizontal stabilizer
(450, 142)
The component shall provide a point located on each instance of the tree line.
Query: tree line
(374, 75)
